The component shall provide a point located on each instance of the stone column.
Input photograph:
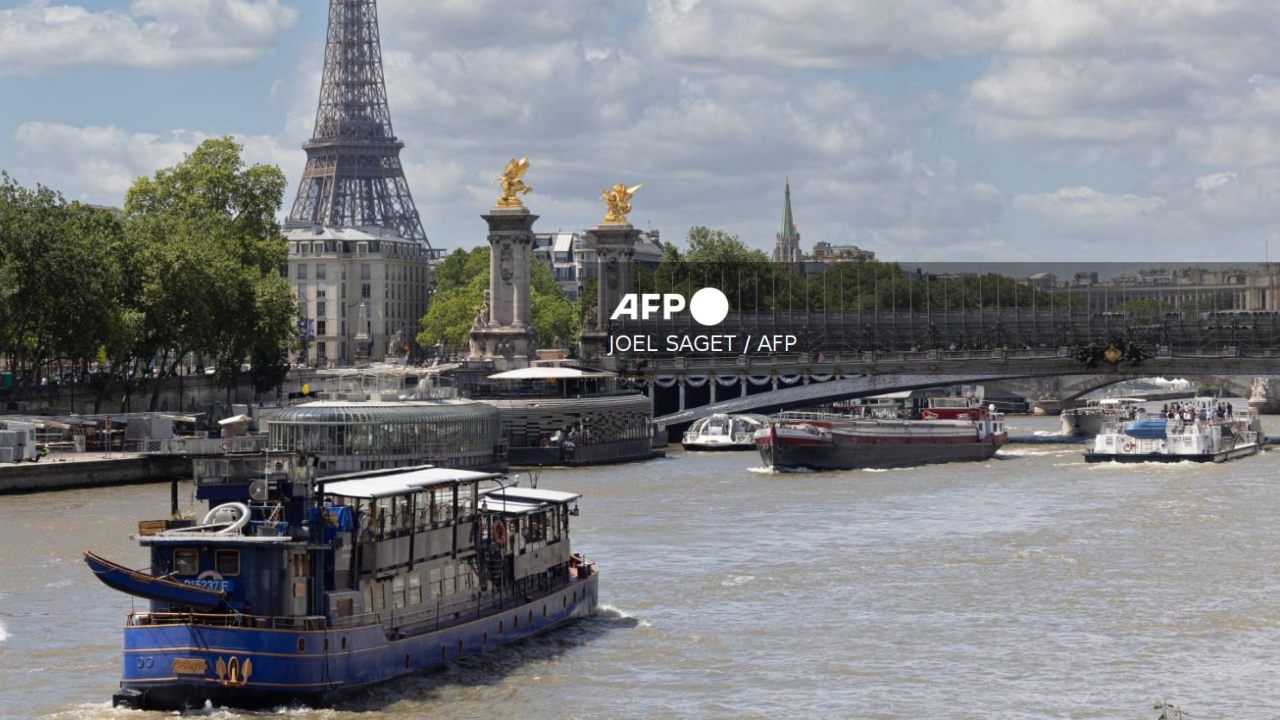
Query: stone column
(615, 251)
(507, 336)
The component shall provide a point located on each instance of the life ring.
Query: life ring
(1128, 446)
(499, 531)
(226, 446)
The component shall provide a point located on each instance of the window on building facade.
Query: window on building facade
(366, 291)
(302, 272)
(321, 307)
(322, 271)
(366, 271)
(322, 328)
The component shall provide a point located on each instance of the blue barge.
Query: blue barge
(293, 590)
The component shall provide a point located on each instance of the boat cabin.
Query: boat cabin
(396, 547)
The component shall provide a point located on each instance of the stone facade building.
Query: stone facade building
(361, 292)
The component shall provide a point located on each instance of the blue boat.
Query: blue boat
(305, 591)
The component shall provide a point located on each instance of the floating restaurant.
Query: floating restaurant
(349, 436)
(565, 415)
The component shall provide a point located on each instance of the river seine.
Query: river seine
(1029, 586)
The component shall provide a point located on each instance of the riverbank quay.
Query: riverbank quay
(81, 470)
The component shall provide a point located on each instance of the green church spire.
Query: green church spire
(788, 226)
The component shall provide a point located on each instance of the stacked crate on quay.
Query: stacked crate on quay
(18, 443)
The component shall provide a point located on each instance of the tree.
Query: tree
(461, 279)
(214, 256)
(61, 280)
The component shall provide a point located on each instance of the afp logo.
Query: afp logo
(708, 306)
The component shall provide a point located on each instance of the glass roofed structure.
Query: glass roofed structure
(351, 436)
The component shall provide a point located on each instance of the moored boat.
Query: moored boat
(952, 429)
(1200, 431)
(1089, 420)
(295, 590)
(724, 432)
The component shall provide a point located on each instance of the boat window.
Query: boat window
(186, 561)
(227, 562)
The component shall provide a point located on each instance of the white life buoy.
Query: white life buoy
(1128, 446)
(218, 516)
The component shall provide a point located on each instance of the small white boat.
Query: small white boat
(1199, 431)
(1089, 420)
(724, 432)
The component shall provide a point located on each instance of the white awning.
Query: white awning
(510, 507)
(532, 494)
(401, 483)
(235, 419)
(550, 373)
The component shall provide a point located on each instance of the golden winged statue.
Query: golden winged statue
(512, 182)
(618, 199)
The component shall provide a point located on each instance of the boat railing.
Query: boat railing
(230, 619)
(791, 416)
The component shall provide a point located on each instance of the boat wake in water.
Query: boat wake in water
(4, 633)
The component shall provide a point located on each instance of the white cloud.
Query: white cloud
(99, 164)
(40, 35)
(712, 103)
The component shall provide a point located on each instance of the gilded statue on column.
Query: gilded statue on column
(512, 182)
(618, 200)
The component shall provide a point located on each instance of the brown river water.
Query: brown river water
(1029, 586)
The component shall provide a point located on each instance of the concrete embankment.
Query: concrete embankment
(89, 470)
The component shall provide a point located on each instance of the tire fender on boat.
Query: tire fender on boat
(499, 531)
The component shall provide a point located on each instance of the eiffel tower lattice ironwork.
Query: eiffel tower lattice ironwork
(353, 176)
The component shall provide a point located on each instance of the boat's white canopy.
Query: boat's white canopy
(551, 373)
(519, 501)
(401, 483)
(1109, 402)
(533, 494)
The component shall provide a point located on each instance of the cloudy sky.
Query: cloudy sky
(921, 129)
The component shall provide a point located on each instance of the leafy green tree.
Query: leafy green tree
(214, 256)
(60, 280)
(461, 279)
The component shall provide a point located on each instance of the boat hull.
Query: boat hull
(717, 447)
(172, 667)
(1082, 425)
(856, 456)
(1223, 456)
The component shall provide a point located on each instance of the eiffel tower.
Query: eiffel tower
(353, 176)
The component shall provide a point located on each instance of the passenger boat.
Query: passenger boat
(1089, 420)
(1199, 432)
(293, 590)
(950, 429)
(724, 432)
